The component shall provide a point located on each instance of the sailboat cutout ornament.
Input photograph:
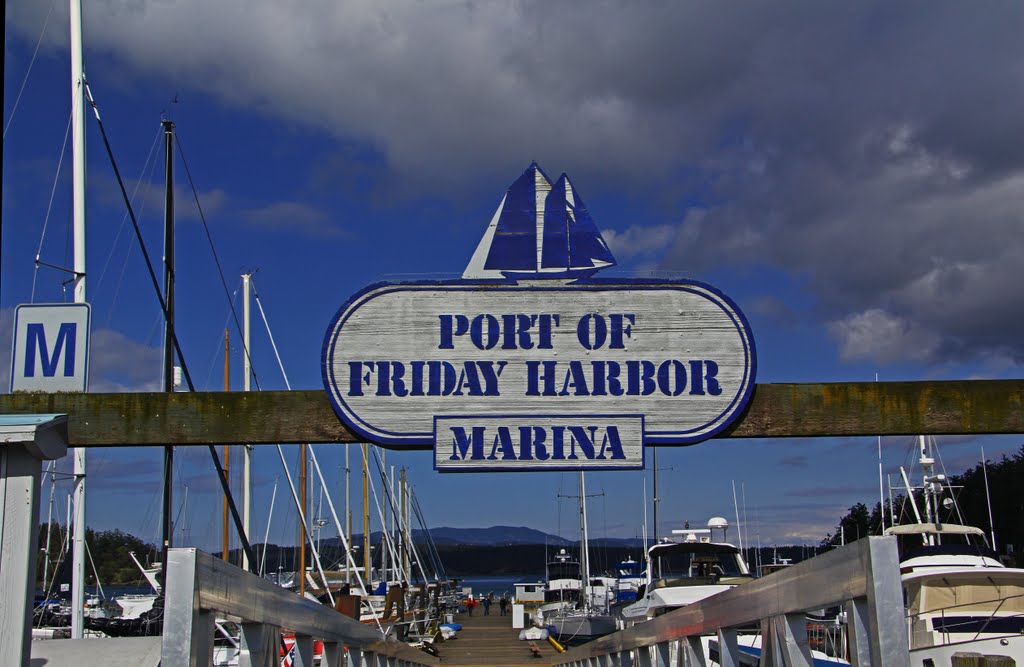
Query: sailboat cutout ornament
(540, 231)
(529, 362)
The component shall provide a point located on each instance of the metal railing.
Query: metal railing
(201, 587)
(863, 576)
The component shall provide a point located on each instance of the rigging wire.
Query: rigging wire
(172, 334)
(49, 209)
(216, 258)
(219, 349)
(151, 165)
(146, 174)
(319, 473)
(270, 334)
(28, 72)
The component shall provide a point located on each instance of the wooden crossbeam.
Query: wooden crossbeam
(776, 411)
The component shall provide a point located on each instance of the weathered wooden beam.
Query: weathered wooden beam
(776, 411)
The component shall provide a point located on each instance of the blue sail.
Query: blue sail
(540, 230)
(514, 245)
(573, 238)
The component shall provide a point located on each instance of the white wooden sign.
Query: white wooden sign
(558, 372)
(51, 347)
(494, 374)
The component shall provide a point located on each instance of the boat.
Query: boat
(563, 585)
(540, 231)
(629, 577)
(586, 618)
(959, 597)
(683, 572)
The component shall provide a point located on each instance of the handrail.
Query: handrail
(200, 587)
(863, 575)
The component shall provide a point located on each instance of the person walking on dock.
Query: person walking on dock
(487, 606)
(503, 604)
(470, 603)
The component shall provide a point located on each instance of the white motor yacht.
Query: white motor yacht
(682, 572)
(959, 597)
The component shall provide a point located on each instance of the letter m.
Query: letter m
(463, 443)
(37, 339)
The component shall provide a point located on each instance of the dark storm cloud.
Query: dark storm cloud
(871, 149)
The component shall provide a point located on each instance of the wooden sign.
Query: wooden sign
(544, 374)
(411, 364)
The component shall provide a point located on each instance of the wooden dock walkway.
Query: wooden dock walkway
(491, 640)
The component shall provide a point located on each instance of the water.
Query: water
(496, 585)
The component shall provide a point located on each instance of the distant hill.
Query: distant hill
(497, 536)
(493, 536)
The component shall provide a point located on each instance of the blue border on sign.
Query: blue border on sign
(371, 434)
(566, 468)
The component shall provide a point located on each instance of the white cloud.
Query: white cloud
(862, 146)
(293, 216)
(881, 337)
(638, 241)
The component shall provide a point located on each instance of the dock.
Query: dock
(491, 640)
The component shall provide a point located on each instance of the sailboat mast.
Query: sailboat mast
(384, 560)
(227, 449)
(654, 498)
(585, 547)
(303, 483)
(348, 517)
(78, 198)
(168, 520)
(366, 519)
(406, 532)
(246, 386)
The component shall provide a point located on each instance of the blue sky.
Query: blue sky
(846, 173)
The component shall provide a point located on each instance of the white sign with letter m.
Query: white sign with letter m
(51, 347)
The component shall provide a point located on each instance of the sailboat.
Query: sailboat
(583, 622)
(541, 230)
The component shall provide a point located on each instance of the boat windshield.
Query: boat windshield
(671, 561)
(966, 593)
(629, 568)
(563, 571)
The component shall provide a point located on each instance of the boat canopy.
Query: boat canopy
(934, 529)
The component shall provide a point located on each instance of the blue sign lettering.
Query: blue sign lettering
(485, 330)
(468, 444)
(37, 339)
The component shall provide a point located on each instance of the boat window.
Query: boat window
(562, 595)
(629, 569)
(563, 571)
(981, 595)
(685, 563)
